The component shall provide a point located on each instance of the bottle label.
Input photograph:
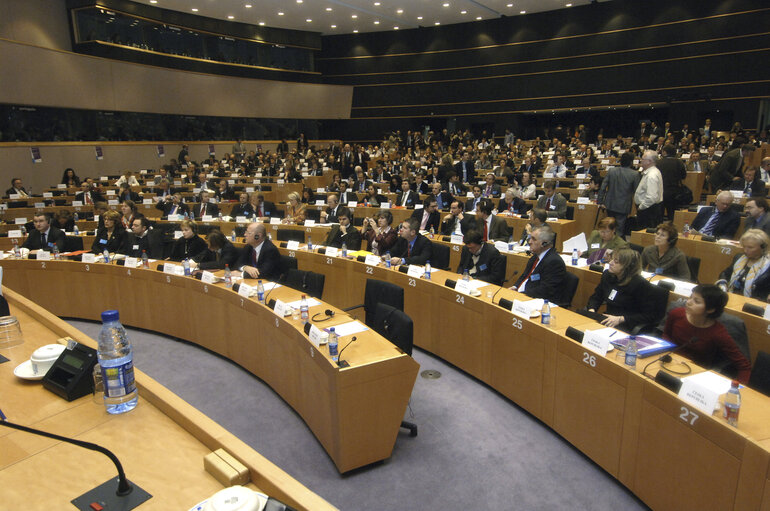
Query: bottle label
(119, 380)
(630, 359)
(333, 348)
(545, 319)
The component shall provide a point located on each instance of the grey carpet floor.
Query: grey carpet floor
(475, 449)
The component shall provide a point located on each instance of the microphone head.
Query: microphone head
(505, 303)
(666, 358)
(307, 327)
(159, 267)
(450, 283)
(271, 303)
(669, 381)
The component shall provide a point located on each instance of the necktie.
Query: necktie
(254, 258)
(173, 210)
(486, 227)
(261, 210)
(708, 229)
(87, 196)
(42, 243)
(406, 196)
(548, 204)
(697, 166)
(532, 270)
(424, 222)
(203, 209)
(489, 191)
(408, 249)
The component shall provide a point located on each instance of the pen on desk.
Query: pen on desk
(613, 333)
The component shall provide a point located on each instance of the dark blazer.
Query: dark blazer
(268, 263)
(166, 207)
(356, 186)
(130, 195)
(184, 248)
(470, 170)
(421, 251)
(517, 206)
(242, 210)
(346, 197)
(444, 200)
(726, 169)
(331, 216)
(268, 208)
(133, 246)
(726, 226)
(761, 284)
(466, 224)
(756, 187)
(434, 219)
(470, 201)
(112, 243)
(632, 301)
(498, 229)
(35, 241)
(95, 197)
(411, 200)
(763, 223)
(672, 170)
(490, 266)
(207, 259)
(352, 239)
(421, 188)
(548, 278)
(9, 191)
(211, 209)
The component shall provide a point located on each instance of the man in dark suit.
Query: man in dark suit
(347, 162)
(481, 260)
(204, 207)
(361, 183)
(220, 252)
(88, 195)
(554, 204)
(472, 203)
(544, 275)
(749, 184)
(173, 205)
(720, 221)
(673, 171)
(428, 216)
(16, 189)
(492, 228)
(45, 236)
(346, 196)
(125, 193)
(406, 198)
(491, 189)
(443, 199)
(243, 208)
(465, 169)
(729, 167)
(411, 247)
(259, 259)
(344, 233)
(527, 166)
(758, 218)
(138, 240)
(453, 186)
(329, 215)
(456, 222)
(260, 207)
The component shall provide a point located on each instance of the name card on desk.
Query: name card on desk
(320, 202)
(77, 203)
(373, 260)
(501, 246)
(132, 262)
(583, 200)
(582, 186)
(249, 189)
(737, 194)
(318, 336)
(320, 190)
(598, 341)
(104, 178)
(352, 203)
(548, 175)
(113, 202)
(292, 245)
(521, 309)
(280, 181)
(767, 312)
(173, 269)
(281, 309)
(702, 398)
(332, 251)
(580, 176)
(147, 201)
(244, 290)
(385, 205)
(177, 182)
(47, 195)
(111, 192)
(42, 255)
(14, 196)
(241, 220)
(208, 278)
(177, 218)
(463, 286)
(275, 221)
(61, 186)
(416, 271)
(456, 239)
(16, 233)
(89, 258)
(207, 218)
(20, 221)
(309, 223)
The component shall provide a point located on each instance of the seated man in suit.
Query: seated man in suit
(544, 275)
(243, 208)
(492, 227)
(720, 221)
(125, 193)
(481, 260)
(456, 222)
(173, 205)
(205, 207)
(472, 204)
(263, 209)
(344, 232)
(220, 252)
(750, 184)
(443, 199)
(163, 190)
(411, 247)
(346, 196)
(361, 183)
(329, 215)
(554, 204)
(491, 189)
(758, 218)
(45, 236)
(88, 195)
(453, 185)
(16, 189)
(138, 242)
(428, 217)
(407, 197)
(259, 259)
(419, 185)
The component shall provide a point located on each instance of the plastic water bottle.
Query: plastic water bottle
(631, 352)
(575, 257)
(145, 260)
(686, 230)
(733, 404)
(55, 251)
(344, 250)
(228, 277)
(304, 315)
(16, 249)
(466, 276)
(260, 292)
(106, 255)
(23, 230)
(186, 266)
(333, 352)
(432, 231)
(75, 216)
(232, 236)
(309, 243)
(75, 230)
(427, 270)
(117, 362)
(387, 259)
(186, 216)
(545, 313)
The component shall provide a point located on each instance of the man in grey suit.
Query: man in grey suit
(729, 167)
(554, 204)
(758, 218)
(616, 194)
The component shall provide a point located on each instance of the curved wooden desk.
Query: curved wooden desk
(639, 432)
(180, 436)
(354, 412)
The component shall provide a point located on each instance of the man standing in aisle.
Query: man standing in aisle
(649, 193)
(673, 171)
(617, 190)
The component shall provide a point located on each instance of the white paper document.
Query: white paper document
(350, 328)
(579, 242)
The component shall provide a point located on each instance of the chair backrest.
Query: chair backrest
(737, 330)
(636, 247)
(306, 281)
(570, 287)
(570, 215)
(659, 296)
(290, 235)
(395, 326)
(73, 243)
(156, 241)
(760, 375)
(693, 263)
(440, 256)
(287, 263)
(378, 291)
(313, 214)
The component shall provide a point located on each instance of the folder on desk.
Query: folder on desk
(646, 345)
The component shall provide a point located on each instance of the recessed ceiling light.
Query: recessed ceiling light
(309, 20)
(261, 23)
(280, 13)
(299, 1)
(509, 5)
(153, 1)
(355, 31)
(248, 6)
(376, 22)
(329, 9)
(445, 4)
(395, 28)
(194, 9)
(437, 23)
(334, 26)
(522, 12)
(478, 17)
(400, 11)
(230, 17)
(419, 17)
(377, 4)
(354, 16)
(569, 5)
(463, 12)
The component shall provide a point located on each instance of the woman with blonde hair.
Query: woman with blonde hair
(749, 274)
(295, 210)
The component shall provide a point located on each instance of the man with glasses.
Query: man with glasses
(411, 247)
(481, 260)
(720, 220)
(259, 259)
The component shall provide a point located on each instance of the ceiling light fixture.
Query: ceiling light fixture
(463, 12)
(478, 17)
(194, 9)
(355, 31)
(354, 16)
(309, 20)
(248, 6)
(376, 22)
(400, 11)
(568, 5)
(329, 9)
(395, 28)
(334, 26)
(261, 23)
(509, 5)
(230, 17)
(437, 23)
(280, 13)
(522, 12)
(445, 4)
(419, 17)
(153, 1)
(377, 4)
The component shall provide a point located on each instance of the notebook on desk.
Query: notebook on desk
(646, 345)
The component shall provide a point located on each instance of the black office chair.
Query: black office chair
(287, 263)
(570, 213)
(440, 257)
(659, 297)
(290, 235)
(398, 328)
(156, 239)
(378, 291)
(736, 328)
(313, 214)
(73, 243)
(760, 374)
(636, 247)
(571, 283)
(693, 263)
(307, 282)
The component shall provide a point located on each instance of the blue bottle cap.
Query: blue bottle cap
(110, 315)
(331, 330)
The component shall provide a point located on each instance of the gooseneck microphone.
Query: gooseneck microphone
(515, 272)
(344, 363)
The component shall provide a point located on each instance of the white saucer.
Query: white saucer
(534, 314)
(475, 292)
(24, 371)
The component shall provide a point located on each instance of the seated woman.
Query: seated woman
(705, 340)
(379, 235)
(334, 186)
(64, 220)
(511, 204)
(129, 213)
(295, 210)
(749, 275)
(69, 178)
(372, 198)
(220, 252)
(111, 236)
(625, 292)
(395, 183)
(663, 258)
(189, 245)
(308, 196)
(603, 241)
